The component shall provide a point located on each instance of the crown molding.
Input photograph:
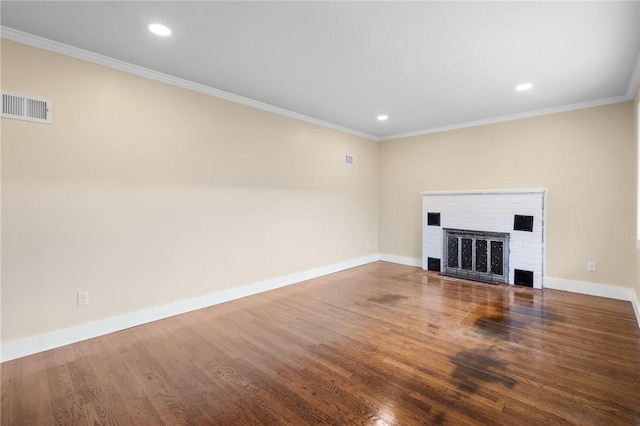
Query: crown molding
(536, 113)
(95, 58)
(85, 55)
(634, 80)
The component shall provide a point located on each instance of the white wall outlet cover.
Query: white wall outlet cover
(83, 298)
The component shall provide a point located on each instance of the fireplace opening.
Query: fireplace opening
(476, 255)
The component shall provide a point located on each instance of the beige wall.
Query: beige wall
(586, 159)
(144, 193)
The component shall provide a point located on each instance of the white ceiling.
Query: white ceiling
(428, 65)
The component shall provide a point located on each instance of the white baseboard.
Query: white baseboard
(636, 307)
(42, 342)
(592, 289)
(402, 260)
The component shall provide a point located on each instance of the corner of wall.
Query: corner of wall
(635, 302)
(401, 260)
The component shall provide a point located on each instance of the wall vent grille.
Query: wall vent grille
(26, 107)
(350, 160)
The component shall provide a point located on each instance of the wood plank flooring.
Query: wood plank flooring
(380, 344)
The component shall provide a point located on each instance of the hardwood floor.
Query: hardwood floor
(379, 344)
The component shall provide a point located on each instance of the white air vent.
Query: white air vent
(26, 107)
(350, 160)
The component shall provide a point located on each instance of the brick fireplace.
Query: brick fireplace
(486, 235)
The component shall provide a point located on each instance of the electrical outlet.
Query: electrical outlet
(591, 266)
(83, 298)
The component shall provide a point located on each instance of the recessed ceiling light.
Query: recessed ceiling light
(383, 117)
(524, 87)
(159, 29)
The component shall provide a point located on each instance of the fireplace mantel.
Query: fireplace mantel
(518, 213)
(541, 191)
